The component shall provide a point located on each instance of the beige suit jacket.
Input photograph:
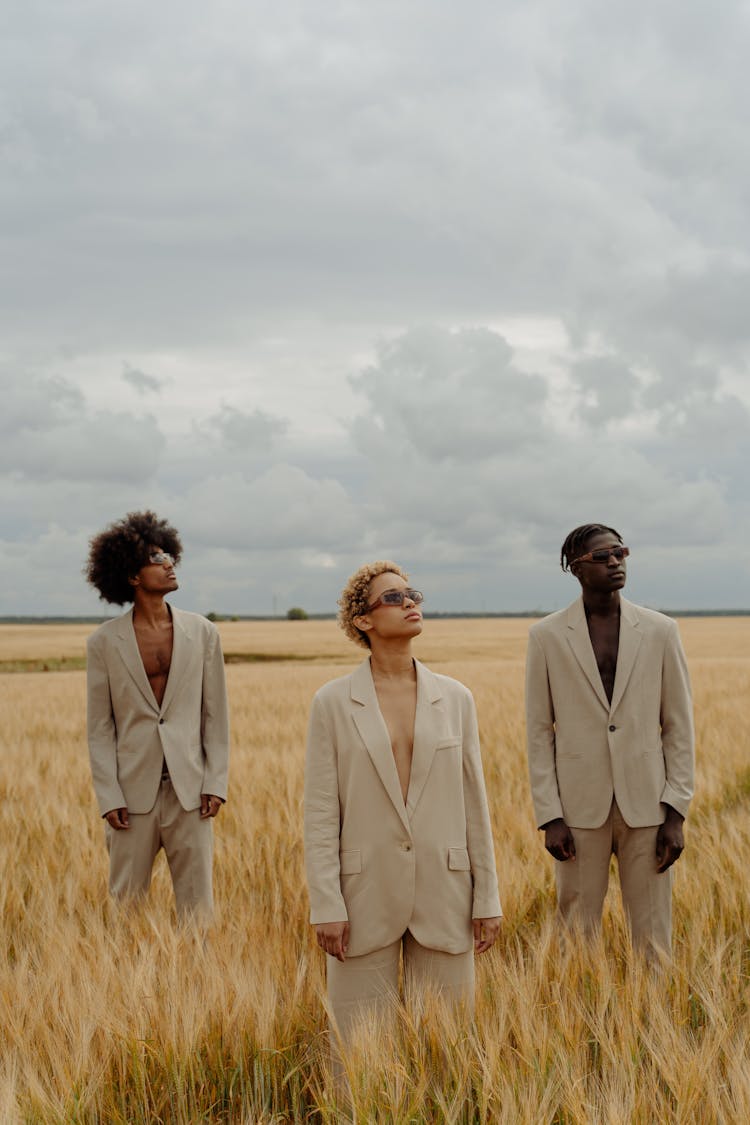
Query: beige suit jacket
(130, 735)
(584, 750)
(427, 865)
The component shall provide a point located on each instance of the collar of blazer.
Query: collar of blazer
(627, 650)
(127, 647)
(429, 729)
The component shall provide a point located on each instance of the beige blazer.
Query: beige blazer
(427, 865)
(130, 735)
(583, 751)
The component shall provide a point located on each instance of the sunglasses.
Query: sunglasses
(604, 554)
(159, 558)
(397, 597)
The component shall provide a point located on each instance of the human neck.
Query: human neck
(151, 611)
(602, 605)
(392, 663)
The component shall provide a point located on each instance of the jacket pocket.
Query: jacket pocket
(453, 742)
(458, 859)
(350, 861)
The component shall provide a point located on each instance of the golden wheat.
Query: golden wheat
(117, 1016)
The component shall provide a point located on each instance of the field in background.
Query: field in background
(443, 639)
(119, 1017)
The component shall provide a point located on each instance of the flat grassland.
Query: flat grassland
(120, 1017)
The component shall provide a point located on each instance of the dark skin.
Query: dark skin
(600, 588)
(152, 622)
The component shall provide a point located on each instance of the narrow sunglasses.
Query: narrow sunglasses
(159, 558)
(604, 554)
(397, 597)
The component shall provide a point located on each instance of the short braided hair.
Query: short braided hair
(576, 541)
(355, 598)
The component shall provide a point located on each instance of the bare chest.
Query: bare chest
(155, 647)
(605, 639)
(398, 706)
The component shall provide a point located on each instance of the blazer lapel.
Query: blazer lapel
(374, 733)
(630, 640)
(127, 646)
(180, 657)
(428, 730)
(580, 642)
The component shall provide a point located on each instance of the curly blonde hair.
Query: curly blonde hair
(355, 597)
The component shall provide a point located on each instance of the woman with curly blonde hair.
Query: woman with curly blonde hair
(398, 845)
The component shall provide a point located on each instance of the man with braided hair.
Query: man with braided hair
(610, 742)
(158, 726)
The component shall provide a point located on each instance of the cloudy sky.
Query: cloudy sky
(323, 282)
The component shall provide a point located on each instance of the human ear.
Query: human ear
(362, 623)
(134, 581)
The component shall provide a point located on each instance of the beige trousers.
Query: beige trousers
(367, 987)
(188, 845)
(646, 895)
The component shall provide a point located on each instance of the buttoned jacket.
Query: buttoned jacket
(583, 749)
(383, 864)
(130, 735)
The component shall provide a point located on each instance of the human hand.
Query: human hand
(210, 805)
(558, 840)
(333, 938)
(670, 840)
(486, 931)
(117, 819)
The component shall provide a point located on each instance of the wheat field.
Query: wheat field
(119, 1016)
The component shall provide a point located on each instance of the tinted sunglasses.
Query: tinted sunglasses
(604, 554)
(397, 597)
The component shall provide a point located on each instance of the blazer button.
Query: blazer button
(161, 721)
(613, 728)
(407, 846)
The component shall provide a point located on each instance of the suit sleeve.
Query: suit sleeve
(540, 736)
(215, 719)
(322, 821)
(486, 899)
(102, 735)
(677, 736)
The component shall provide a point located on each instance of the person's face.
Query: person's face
(390, 622)
(600, 577)
(158, 575)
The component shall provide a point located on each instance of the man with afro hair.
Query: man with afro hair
(158, 727)
(610, 741)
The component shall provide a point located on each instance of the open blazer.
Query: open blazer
(428, 865)
(130, 735)
(584, 750)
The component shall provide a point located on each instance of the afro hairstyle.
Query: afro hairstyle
(118, 553)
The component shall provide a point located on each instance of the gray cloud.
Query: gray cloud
(32, 403)
(446, 395)
(254, 432)
(263, 193)
(107, 447)
(49, 434)
(281, 508)
(609, 388)
(140, 381)
(495, 503)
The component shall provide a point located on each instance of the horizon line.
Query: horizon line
(98, 619)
